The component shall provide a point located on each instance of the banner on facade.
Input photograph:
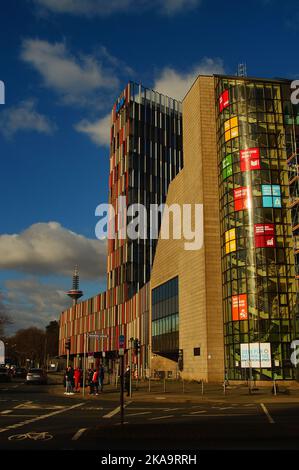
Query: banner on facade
(256, 355)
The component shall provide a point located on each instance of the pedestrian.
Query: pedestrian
(95, 381)
(77, 378)
(127, 380)
(101, 377)
(69, 381)
(72, 377)
(90, 382)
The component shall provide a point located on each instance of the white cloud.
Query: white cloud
(33, 303)
(176, 84)
(49, 248)
(76, 79)
(170, 82)
(98, 131)
(174, 6)
(104, 8)
(24, 117)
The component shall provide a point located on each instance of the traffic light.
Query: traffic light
(136, 346)
(68, 344)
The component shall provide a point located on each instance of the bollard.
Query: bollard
(183, 386)
(202, 387)
(149, 384)
(164, 385)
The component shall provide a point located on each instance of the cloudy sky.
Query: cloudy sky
(64, 62)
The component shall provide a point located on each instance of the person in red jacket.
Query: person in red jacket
(95, 381)
(77, 378)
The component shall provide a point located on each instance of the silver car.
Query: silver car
(36, 376)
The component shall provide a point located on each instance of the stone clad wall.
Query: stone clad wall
(200, 287)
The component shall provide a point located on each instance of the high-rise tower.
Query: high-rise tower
(145, 155)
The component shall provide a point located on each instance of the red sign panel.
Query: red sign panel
(242, 198)
(250, 159)
(239, 307)
(264, 235)
(223, 100)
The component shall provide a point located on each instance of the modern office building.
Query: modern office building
(145, 155)
(230, 307)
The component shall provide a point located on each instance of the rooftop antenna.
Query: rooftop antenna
(75, 293)
(242, 70)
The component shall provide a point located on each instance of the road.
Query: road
(32, 417)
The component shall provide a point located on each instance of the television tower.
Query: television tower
(242, 70)
(75, 293)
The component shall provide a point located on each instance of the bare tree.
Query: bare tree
(52, 339)
(26, 344)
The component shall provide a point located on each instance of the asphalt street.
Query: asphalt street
(34, 418)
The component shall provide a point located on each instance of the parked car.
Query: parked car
(36, 376)
(20, 373)
(5, 375)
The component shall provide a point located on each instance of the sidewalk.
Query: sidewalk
(176, 392)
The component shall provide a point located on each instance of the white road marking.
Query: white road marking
(139, 414)
(93, 408)
(116, 410)
(161, 417)
(155, 408)
(172, 409)
(224, 415)
(19, 416)
(223, 407)
(270, 419)
(5, 412)
(39, 418)
(197, 412)
(78, 434)
(41, 407)
(22, 405)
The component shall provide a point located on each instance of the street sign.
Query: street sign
(121, 341)
(121, 352)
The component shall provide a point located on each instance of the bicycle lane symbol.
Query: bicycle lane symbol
(34, 436)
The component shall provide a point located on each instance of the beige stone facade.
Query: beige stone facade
(199, 271)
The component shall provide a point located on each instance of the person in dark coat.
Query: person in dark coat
(101, 377)
(69, 376)
(90, 382)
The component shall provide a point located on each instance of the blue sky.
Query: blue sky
(64, 62)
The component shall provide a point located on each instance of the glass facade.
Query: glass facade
(145, 155)
(165, 318)
(259, 287)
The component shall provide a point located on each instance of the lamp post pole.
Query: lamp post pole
(130, 363)
(84, 364)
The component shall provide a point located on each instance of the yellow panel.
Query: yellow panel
(234, 132)
(227, 136)
(234, 122)
(227, 125)
(233, 245)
